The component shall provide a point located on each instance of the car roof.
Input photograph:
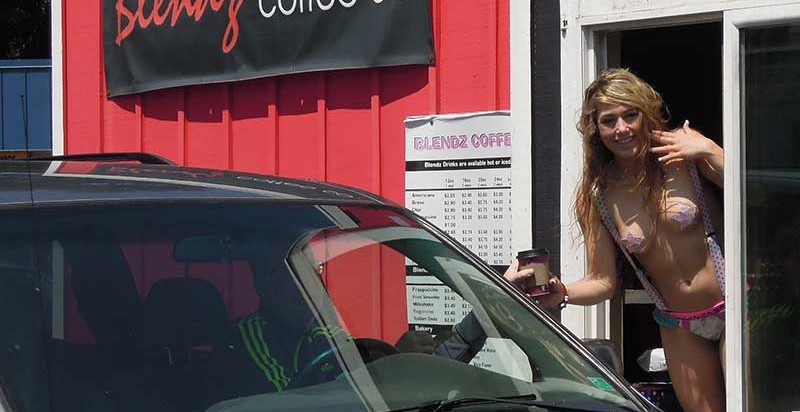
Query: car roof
(88, 181)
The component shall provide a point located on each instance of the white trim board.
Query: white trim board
(579, 320)
(57, 75)
(521, 125)
(733, 22)
(615, 11)
(734, 383)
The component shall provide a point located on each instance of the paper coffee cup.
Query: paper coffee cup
(537, 259)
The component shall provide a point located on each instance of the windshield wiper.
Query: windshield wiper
(524, 400)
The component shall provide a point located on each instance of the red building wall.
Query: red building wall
(340, 126)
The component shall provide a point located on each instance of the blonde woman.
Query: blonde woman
(644, 193)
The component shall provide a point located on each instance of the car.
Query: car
(128, 283)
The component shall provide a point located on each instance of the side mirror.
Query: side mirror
(606, 351)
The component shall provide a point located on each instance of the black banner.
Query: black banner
(155, 44)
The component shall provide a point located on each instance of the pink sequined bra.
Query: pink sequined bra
(682, 214)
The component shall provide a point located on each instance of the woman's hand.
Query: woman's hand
(685, 143)
(516, 276)
(556, 295)
(520, 278)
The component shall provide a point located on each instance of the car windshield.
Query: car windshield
(226, 306)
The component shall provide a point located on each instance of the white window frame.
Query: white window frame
(733, 22)
(57, 74)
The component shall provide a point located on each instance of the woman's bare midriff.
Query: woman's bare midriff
(682, 270)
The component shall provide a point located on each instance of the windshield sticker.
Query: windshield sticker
(600, 383)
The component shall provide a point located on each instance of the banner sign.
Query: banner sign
(155, 44)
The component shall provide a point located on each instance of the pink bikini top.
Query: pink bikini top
(680, 213)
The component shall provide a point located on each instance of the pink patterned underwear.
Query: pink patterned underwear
(708, 323)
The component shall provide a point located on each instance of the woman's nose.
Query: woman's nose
(621, 126)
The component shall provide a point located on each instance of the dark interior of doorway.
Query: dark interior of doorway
(684, 63)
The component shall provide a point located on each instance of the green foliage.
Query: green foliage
(773, 317)
(24, 29)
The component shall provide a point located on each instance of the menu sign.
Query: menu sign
(458, 177)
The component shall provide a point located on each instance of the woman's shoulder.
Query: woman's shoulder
(676, 168)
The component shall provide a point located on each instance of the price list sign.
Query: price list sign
(458, 177)
(432, 306)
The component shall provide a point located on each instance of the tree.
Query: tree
(24, 29)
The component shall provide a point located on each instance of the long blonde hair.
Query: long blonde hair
(617, 86)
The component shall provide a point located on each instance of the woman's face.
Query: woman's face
(620, 129)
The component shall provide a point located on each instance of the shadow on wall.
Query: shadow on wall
(291, 95)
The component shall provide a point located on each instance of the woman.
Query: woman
(640, 193)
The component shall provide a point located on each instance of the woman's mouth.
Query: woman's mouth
(624, 140)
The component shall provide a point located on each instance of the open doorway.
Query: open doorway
(25, 29)
(683, 63)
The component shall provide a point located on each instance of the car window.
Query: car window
(232, 306)
(442, 288)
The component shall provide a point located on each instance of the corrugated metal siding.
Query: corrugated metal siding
(339, 126)
(25, 106)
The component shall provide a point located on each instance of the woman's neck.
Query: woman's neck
(623, 170)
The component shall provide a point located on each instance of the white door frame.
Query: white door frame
(521, 124)
(733, 21)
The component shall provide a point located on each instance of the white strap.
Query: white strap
(711, 237)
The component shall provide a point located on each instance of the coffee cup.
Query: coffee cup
(537, 259)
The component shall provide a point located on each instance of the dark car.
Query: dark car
(131, 284)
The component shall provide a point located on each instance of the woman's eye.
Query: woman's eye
(608, 121)
(630, 116)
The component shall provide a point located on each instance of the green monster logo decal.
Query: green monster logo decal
(251, 328)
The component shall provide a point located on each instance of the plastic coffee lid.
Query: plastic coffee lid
(532, 253)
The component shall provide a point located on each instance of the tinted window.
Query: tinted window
(226, 306)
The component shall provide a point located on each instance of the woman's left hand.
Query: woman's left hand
(555, 297)
(686, 143)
